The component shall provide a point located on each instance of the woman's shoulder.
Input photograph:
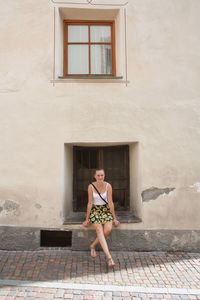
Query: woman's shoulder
(90, 187)
(108, 185)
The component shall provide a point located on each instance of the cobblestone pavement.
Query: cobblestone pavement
(64, 274)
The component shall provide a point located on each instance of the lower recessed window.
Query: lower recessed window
(114, 160)
(89, 48)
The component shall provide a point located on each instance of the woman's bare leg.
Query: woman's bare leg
(102, 239)
(107, 228)
(93, 251)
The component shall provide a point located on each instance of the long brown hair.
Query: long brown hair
(99, 169)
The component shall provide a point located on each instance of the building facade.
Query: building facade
(111, 84)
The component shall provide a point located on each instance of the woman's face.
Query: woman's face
(99, 175)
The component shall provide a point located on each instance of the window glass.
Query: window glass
(100, 34)
(101, 59)
(89, 48)
(77, 33)
(78, 59)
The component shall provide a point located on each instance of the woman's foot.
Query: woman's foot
(93, 252)
(110, 262)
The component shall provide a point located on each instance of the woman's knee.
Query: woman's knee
(107, 231)
(98, 228)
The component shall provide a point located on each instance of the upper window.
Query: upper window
(89, 48)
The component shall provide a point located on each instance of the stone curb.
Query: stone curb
(94, 287)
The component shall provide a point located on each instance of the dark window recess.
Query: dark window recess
(55, 238)
(114, 160)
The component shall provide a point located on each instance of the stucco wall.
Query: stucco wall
(159, 109)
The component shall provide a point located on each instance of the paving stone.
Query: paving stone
(78, 297)
(68, 296)
(144, 269)
(59, 293)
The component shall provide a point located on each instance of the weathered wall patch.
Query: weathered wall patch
(9, 207)
(197, 186)
(37, 205)
(154, 192)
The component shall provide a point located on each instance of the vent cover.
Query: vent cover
(55, 238)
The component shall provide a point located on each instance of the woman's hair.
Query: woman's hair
(98, 169)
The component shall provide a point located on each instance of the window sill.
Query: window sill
(123, 216)
(90, 79)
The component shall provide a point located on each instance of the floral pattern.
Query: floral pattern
(100, 214)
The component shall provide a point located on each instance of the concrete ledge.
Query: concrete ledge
(123, 216)
(27, 238)
(143, 240)
(19, 238)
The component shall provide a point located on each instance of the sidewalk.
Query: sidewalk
(65, 274)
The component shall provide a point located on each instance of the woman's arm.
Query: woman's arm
(111, 205)
(89, 206)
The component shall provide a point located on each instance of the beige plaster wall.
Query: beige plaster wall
(159, 109)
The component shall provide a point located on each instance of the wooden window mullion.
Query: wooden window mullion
(89, 159)
(89, 49)
(65, 49)
(113, 49)
(101, 158)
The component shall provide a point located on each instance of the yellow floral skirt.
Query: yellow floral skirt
(100, 214)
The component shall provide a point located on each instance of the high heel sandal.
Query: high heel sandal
(110, 262)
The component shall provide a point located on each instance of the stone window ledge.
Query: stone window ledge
(123, 216)
(90, 79)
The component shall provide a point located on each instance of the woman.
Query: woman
(100, 214)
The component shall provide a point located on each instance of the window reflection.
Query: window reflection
(101, 59)
(100, 34)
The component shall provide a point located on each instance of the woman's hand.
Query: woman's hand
(116, 222)
(85, 223)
